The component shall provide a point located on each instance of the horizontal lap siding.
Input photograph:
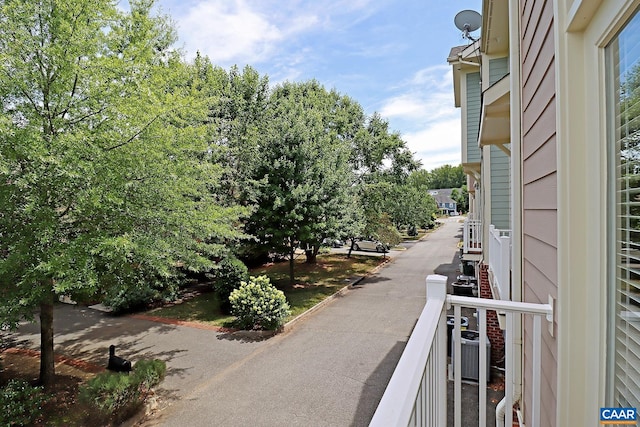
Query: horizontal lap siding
(498, 68)
(539, 195)
(500, 188)
(547, 418)
(542, 161)
(473, 117)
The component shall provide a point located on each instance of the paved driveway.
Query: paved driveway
(332, 369)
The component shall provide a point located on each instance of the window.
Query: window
(623, 65)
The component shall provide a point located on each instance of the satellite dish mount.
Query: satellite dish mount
(468, 21)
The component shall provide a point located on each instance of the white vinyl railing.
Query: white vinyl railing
(472, 236)
(500, 261)
(416, 394)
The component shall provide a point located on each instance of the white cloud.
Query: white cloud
(437, 76)
(236, 31)
(406, 106)
(419, 106)
(424, 106)
(436, 144)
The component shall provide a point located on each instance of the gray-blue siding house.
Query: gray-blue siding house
(445, 203)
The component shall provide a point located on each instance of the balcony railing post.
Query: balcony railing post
(436, 286)
(437, 289)
(466, 236)
(505, 267)
(500, 260)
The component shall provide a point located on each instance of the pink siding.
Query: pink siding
(539, 195)
(542, 162)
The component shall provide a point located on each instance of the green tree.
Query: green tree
(384, 231)
(447, 176)
(461, 197)
(379, 154)
(305, 165)
(239, 123)
(404, 204)
(102, 178)
(382, 164)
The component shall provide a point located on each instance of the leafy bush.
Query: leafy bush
(126, 299)
(230, 274)
(20, 403)
(259, 305)
(116, 396)
(149, 373)
(140, 294)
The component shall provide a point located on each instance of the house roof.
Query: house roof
(442, 195)
(453, 55)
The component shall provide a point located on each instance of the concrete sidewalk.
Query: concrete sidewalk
(331, 369)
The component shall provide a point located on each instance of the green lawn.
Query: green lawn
(314, 282)
(203, 308)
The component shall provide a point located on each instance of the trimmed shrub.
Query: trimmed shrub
(20, 403)
(230, 274)
(117, 396)
(257, 304)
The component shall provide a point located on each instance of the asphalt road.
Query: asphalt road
(332, 369)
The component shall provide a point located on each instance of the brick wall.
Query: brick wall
(494, 332)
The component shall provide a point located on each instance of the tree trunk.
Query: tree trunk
(47, 366)
(312, 254)
(292, 252)
(353, 241)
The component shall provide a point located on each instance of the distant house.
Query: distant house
(446, 204)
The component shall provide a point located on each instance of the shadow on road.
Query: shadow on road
(371, 280)
(86, 334)
(375, 386)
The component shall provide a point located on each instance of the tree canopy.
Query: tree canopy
(102, 182)
(305, 167)
(122, 165)
(446, 176)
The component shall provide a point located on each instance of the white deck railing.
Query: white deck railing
(500, 261)
(472, 236)
(417, 392)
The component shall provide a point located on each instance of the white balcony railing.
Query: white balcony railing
(472, 236)
(417, 392)
(500, 261)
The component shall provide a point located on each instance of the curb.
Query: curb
(169, 321)
(58, 358)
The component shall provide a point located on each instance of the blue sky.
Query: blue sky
(390, 56)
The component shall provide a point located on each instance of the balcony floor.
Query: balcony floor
(470, 400)
(495, 393)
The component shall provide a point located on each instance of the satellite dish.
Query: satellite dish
(468, 21)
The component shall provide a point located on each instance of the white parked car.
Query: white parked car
(370, 245)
